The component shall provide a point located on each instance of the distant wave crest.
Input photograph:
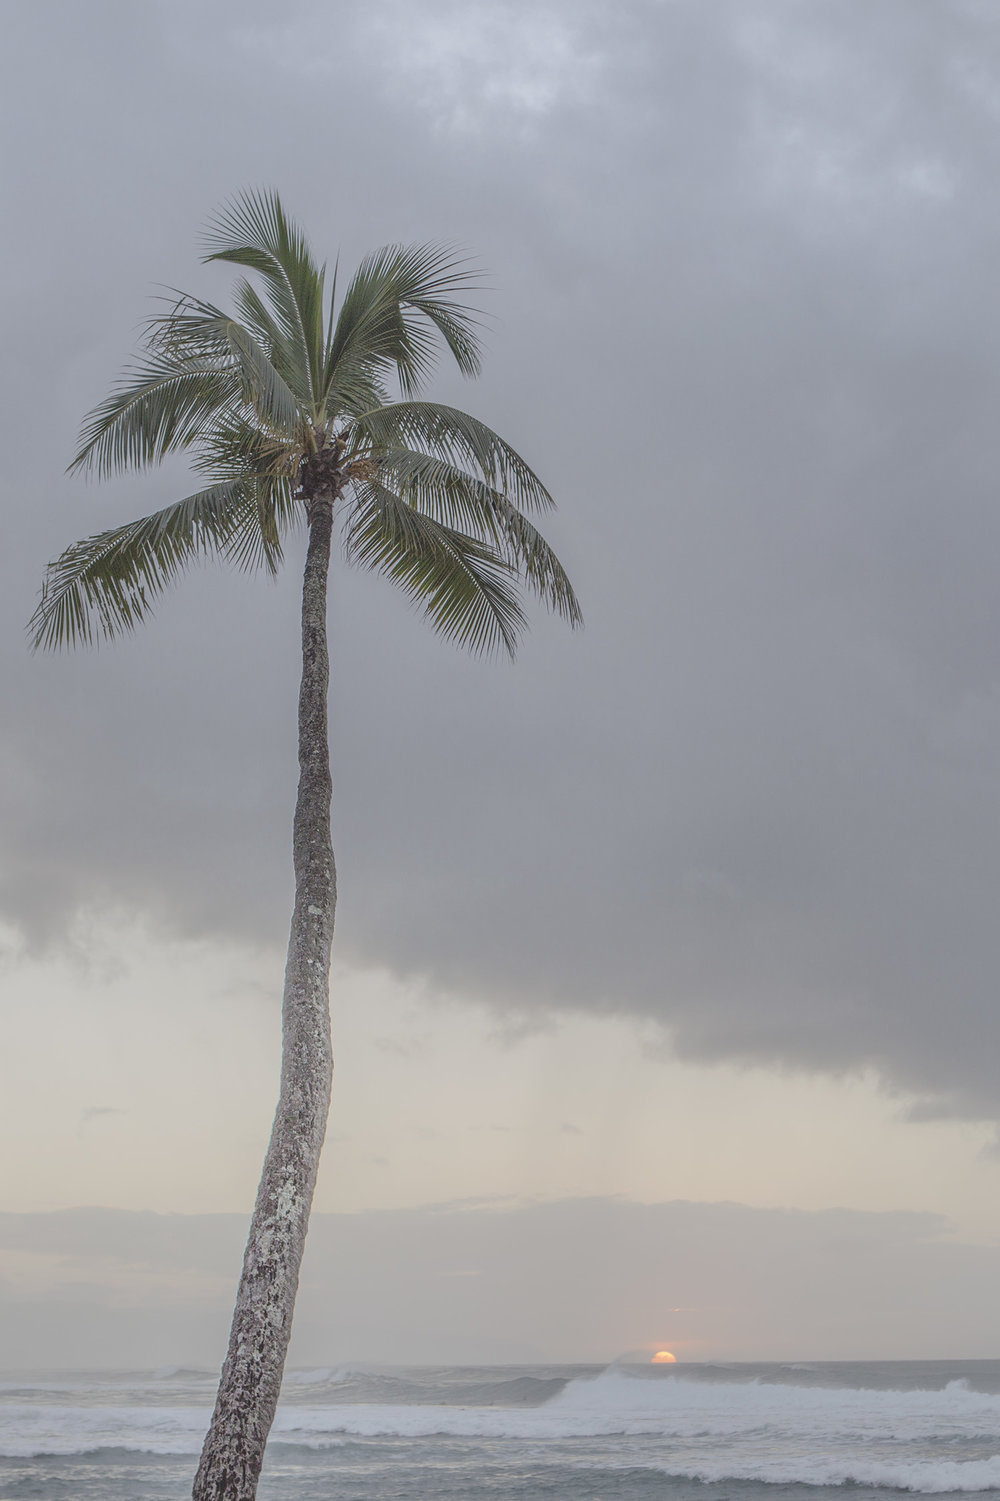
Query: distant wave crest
(710, 1431)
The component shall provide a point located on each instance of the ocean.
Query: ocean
(555, 1433)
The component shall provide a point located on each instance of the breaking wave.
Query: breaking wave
(925, 1441)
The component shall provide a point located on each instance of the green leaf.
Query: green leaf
(254, 231)
(399, 297)
(106, 584)
(466, 590)
(458, 438)
(284, 353)
(162, 405)
(195, 330)
(450, 495)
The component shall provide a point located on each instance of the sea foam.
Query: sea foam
(944, 1440)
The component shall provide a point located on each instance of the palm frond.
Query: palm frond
(284, 353)
(238, 448)
(191, 329)
(263, 388)
(466, 590)
(159, 405)
(196, 330)
(460, 439)
(254, 231)
(450, 495)
(266, 467)
(262, 519)
(537, 562)
(258, 318)
(106, 584)
(399, 296)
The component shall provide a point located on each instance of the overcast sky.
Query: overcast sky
(745, 323)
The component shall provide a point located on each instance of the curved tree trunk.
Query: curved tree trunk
(262, 1322)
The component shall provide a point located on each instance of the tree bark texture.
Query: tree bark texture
(262, 1321)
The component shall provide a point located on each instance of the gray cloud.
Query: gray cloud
(747, 330)
(577, 1280)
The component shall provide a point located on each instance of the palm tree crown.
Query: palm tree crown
(287, 399)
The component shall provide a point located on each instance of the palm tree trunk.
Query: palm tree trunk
(262, 1322)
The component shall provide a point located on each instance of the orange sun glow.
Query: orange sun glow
(664, 1357)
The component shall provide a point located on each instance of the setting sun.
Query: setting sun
(664, 1357)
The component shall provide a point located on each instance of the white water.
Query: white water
(923, 1440)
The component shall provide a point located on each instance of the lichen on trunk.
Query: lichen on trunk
(262, 1322)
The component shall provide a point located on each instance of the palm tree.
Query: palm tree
(286, 408)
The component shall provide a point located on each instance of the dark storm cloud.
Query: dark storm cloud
(748, 329)
(575, 1280)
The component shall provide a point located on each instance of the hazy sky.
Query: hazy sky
(697, 904)
(585, 1279)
